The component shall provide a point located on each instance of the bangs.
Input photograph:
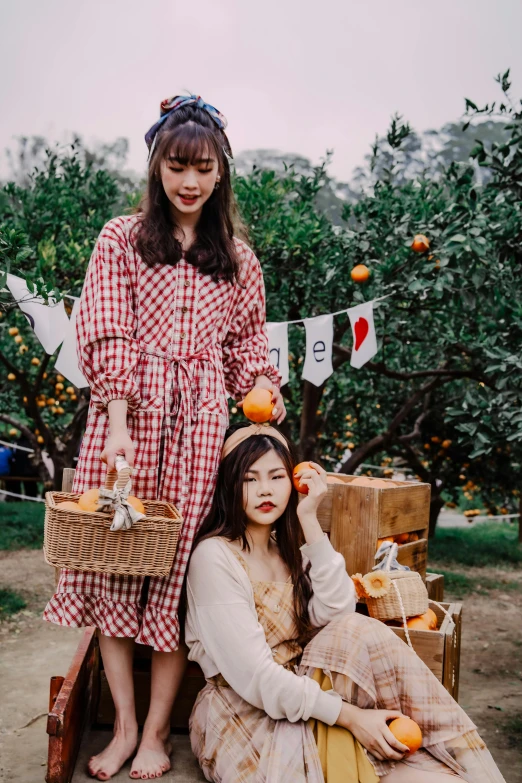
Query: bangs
(191, 144)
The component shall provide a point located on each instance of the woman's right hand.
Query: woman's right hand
(118, 442)
(370, 728)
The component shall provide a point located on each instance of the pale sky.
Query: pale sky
(295, 75)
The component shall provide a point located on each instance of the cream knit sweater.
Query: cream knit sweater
(225, 637)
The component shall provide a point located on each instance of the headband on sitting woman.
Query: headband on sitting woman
(244, 433)
(170, 105)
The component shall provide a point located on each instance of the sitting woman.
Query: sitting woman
(286, 702)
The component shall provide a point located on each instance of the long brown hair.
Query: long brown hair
(227, 517)
(191, 135)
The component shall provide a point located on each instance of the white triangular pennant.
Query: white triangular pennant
(319, 341)
(67, 361)
(363, 332)
(278, 347)
(49, 322)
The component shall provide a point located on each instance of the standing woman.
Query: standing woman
(172, 317)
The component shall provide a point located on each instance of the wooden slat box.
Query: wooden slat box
(440, 649)
(356, 517)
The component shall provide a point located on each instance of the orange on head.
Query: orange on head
(89, 500)
(420, 243)
(408, 732)
(419, 623)
(302, 488)
(258, 405)
(360, 273)
(68, 505)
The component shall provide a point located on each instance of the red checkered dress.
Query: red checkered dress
(172, 342)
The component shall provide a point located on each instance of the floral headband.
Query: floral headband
(170, 105)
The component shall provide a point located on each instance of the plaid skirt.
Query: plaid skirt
(369, 666)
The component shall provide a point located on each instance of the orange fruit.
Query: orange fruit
(89, 500)
(360, 273)
(413, 537)
(420, 243)
(136, 503)
(408, 732)
(68, 505)
(11, 376)
(258, 405)
(446, 444)
(334, 480)
(381, 540)
(431, 618)
(419, 623)
(402, 538)
(302, 488)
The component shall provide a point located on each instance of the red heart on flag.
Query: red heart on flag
(361, 330)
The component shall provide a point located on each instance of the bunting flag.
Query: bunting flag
(67, 361)
(363, 332)
(319, 342)
(278, 347)
(49, 322)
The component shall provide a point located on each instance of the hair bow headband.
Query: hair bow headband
(170, 105)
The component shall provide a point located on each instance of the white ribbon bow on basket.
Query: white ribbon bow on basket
(115, 497)
(388, 552)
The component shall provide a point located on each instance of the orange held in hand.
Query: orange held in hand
(420, 243)
(360, 273)
(302, 488)
(408, 732)
(258, 405)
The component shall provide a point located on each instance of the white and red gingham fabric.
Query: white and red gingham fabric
(172, 342)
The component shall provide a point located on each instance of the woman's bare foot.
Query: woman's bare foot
(109, 761)
(152, 758)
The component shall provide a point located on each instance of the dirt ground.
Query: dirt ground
(31, 651)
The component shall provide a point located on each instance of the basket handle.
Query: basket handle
(392, 554)
(118, 477)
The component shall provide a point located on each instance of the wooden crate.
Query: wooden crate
(435, 587)
(440, 649)
(356, 517)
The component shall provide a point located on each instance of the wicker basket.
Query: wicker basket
(407, 596)
(82, 540)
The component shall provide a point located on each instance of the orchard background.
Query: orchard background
(441, 399)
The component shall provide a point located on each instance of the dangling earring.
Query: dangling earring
(218, 180)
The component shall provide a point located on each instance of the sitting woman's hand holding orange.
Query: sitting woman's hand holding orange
(314, 478)
(371, 729)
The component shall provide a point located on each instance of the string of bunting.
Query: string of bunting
(319, 342)
(53, 327)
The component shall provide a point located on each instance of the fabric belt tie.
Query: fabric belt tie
(187, 411)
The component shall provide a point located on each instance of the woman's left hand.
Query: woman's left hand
(314, 478)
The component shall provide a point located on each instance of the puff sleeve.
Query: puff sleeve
(245, 349)
(107, 349)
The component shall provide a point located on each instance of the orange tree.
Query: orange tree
(48, 226)
(443, 394)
